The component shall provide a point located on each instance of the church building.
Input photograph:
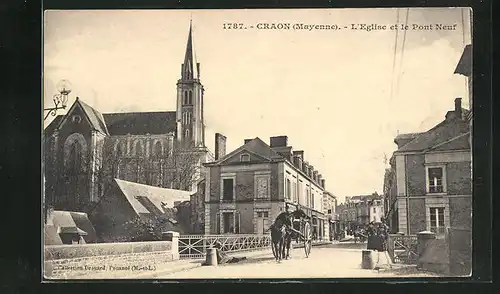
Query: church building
(85, 150)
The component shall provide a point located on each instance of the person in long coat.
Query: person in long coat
(382, 244)
(371, 232)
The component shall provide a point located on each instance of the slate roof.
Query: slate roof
(464, 66)
(95, 117)
(141, 123)
(149, 200)
(72, 222)
(407, 136)
(53, 124)
(443, 132)
(134, 123)
(256, 146)
(51, 236)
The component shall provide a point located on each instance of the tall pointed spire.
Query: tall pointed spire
(190, 67)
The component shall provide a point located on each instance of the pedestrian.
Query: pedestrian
(383, 236)
(371, 232)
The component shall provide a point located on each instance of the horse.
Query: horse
(278, 234)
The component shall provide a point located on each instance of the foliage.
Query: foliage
(139, 229)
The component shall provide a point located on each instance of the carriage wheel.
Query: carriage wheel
(307, 239)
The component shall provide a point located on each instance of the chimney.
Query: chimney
(247, 140)
(315, 176)
(278, 141)
(320, 177)
(299, 153)
(323, 183)
(310, 171)
(305, 167)
(220, 146)
(458, 108)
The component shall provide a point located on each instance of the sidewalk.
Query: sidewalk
(188, 264)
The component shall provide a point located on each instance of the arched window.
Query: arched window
(75, 156)
(75, 145)
(138, 149)
(157, 150)
(185, 98)
(186, 134)
(190, 97)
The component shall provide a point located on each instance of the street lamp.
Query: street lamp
(60, 99)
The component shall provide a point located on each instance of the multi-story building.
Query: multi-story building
(357, 211)
(329, 209)
(429, 186)
(247, 188)
(376, 210)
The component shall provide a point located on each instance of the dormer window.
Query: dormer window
(245, 158)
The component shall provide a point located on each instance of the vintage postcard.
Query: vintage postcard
(253, 143)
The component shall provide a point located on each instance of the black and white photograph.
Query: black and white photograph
(257, 144)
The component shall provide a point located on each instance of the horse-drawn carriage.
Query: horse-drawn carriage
(298, 229)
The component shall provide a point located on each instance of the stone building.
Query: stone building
(247, 188)
(329, 209)
(429, 186)
(357, 211)
(85, 149)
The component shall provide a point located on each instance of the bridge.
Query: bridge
(334, 260)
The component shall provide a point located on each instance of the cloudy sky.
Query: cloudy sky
(329, 91)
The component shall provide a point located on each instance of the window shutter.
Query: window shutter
(218, 223)
(237, 222)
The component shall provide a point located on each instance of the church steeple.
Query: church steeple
(190, 92)
(190, 68)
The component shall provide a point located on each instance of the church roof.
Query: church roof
(141, 123)
(95, 117)
(134, 123)
(190, 68)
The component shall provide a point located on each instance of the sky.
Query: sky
(329, 91)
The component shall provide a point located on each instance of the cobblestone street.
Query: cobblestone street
(331, 261)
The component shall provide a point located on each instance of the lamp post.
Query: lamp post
(60, 99)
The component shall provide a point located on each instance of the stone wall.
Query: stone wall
(435, 257)
(107, 259)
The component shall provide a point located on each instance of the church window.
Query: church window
(75, 157)
(186, 134)
(138, 149)
(157, 149)
(190, 97)
(185, 97)
(76, 118)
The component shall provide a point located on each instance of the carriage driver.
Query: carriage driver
(285, 218)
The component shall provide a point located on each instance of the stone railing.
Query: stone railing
(80, 260)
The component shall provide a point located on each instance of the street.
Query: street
(328, 261)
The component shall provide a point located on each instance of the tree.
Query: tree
(140, 230)
(182, 166)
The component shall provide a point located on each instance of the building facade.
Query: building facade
(249, 187)
(357, 211)
(86, 149)
(329, 209)
(429, 185)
